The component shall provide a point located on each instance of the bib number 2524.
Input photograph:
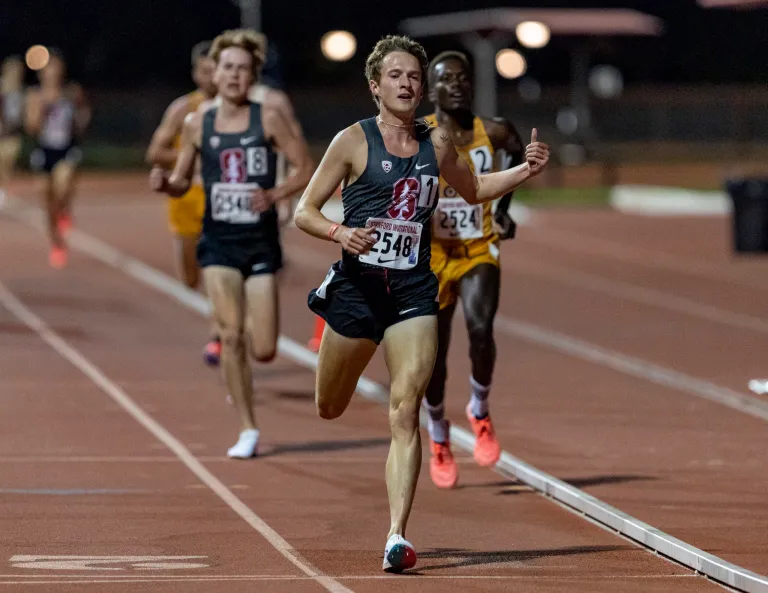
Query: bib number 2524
(397, 244)
(455, 219)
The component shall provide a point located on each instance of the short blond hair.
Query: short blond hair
(251, 41)
(386, 46)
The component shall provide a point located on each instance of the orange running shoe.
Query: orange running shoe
(64, 224)
(212, 352)
(487, 448)
(442, 466)
(58, 257)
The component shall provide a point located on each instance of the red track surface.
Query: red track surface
(81, 477)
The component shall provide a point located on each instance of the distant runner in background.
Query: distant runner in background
(57, 115)
(465, 257)
(239, 249)
(185, 214)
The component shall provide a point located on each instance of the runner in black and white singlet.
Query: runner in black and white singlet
(233, 166)
(395, 197)
(382, 290)
(56, 117)
(239, 249)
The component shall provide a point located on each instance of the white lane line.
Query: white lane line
(573, 499)
(635, 367)
(639, 294)
(39, 579)
(645, 258)
(267, 457)
(17, 308)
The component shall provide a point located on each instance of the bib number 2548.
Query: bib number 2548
(397, 244)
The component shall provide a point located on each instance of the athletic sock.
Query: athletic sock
(478, 404)
(437, 424)
(246, 445)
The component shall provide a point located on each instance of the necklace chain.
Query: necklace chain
(379, 118)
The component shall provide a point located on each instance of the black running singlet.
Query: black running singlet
(233, 165)
(397, 196)
(58, 125)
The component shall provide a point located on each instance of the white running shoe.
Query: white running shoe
(247, 445)
(399, 554)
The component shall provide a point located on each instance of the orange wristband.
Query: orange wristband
(333, 229)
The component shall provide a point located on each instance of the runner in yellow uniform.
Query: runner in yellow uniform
(185, 214)
(465, 258)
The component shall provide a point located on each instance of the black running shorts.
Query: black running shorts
(363, 303)
(251, 258)
(45, 159)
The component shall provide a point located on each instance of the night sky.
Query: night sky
(136, 43)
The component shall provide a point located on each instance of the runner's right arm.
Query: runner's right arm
(161, 150)
(337, 165)
(181, 178)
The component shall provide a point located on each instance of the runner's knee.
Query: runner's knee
(264, 353)
(480, 325)
(231, 338)
(404, 416)
(327, 409)
(407, 390)
(480, 335)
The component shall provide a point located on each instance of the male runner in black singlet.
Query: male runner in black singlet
(239, 248)
(382, 289)
(57, 116)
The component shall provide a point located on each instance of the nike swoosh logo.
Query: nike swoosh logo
(247, 140)
(387, 261)
(422, 166)
(408, 310)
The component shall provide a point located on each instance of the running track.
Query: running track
(113, 435)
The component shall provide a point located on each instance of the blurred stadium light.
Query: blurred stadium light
(37, 57)
(338, 46)
(510, 63)
(532, 34)
(484, 32)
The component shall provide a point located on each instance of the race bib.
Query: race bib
(231, 203)
(397, 244)
(455, 219)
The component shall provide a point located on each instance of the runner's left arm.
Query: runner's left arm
(476, 189)
(278, 100)
(509, 150)
(82, 110)
(33, 113)
(295, 148)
